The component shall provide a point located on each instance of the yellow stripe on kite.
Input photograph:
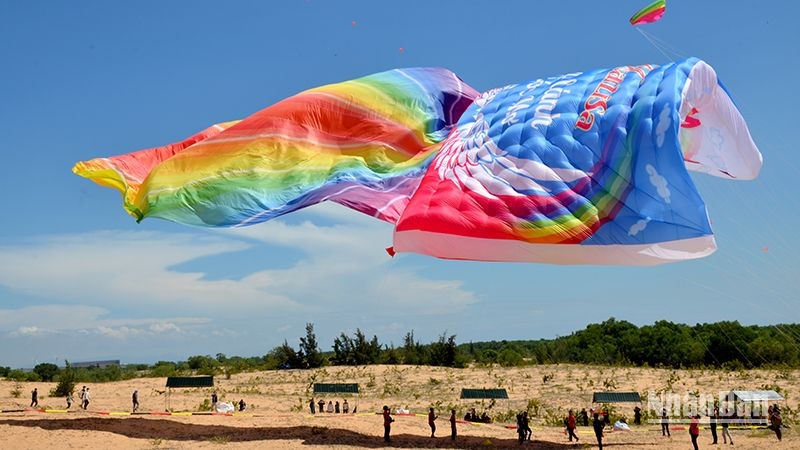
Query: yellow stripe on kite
(55, 410)
(119, 413)
(181, 414)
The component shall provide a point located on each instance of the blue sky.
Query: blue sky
(80, 279)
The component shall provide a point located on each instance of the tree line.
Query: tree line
(613, 342)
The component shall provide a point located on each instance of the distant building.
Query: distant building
(95, 364)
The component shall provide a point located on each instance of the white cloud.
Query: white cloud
(83, 318)
(638, 227)
(118, 268)
(119, 332)
(344, 266)
(164, 327)
(51, 317)
(26, 331)
(664, 122)
(659, 182)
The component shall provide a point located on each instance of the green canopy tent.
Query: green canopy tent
(484, 394)
(616, 397)
(338, 389)
(186, 382)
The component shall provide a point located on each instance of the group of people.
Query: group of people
(472, 416)
(334, 408)
(388, 420)
(600, 419)
(524, 431)
(83, 395)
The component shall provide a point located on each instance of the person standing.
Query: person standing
(776, 421)
(694, 430)
(598, 424)
(336, 407)
(330, 407)
(526, 426)
(726, 434)
(242, 405)
(81, 395)
(453, 425)
(135, 400)
(69, 400)
(584, 417)
(214, 400)
(345, 407)
(34, 398)
(712, 422)
(664, 422)
(321, 405)
(637, 415)
(387, 423)
(571, 424)
(432, 421)
(520, 429)
(85, 399)
(311, 406)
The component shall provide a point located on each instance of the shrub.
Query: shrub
(19, 375)
(66, 382)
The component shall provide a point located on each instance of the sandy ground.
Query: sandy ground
(277, 415)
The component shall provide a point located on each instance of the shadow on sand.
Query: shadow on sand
(139, 428)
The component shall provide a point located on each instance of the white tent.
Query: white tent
(754, 396)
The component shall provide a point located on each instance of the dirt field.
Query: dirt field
(277, 415)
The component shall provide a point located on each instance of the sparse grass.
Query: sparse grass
(221, 439)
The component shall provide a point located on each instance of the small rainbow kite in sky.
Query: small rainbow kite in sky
(650, 13)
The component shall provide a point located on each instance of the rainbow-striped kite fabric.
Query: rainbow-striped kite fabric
(582, 168)
(650, 13)
(364, 143)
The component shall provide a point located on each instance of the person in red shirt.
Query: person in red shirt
(571, 424)
(432, 421)
(694, 430)
(387, 423)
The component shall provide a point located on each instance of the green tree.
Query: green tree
(366, 351)
(164, 369)
(46, 371)
(444, 352)
(284, 357)
(312, 358)
(357, 350)
(343, 354)
(413, 352)
(205, 365)
(510, 356)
